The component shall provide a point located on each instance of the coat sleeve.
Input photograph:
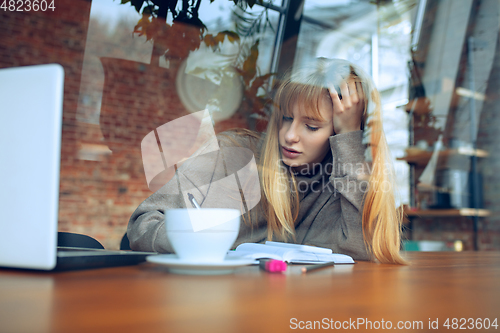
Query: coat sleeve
(349, 177)
(205, 176)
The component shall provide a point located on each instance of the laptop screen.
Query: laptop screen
(31, 100)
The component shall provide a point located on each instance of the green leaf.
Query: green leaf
(261, 80)
(231, 36)
(209, 40)
(219, 38)
(137, 4)
(148, 10)
(250, 64)
(160, 3)
(258, 82)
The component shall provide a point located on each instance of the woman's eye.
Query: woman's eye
(311, 128)
(287, 118)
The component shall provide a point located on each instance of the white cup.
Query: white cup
(202, 235)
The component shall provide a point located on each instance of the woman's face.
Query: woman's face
(304, 141)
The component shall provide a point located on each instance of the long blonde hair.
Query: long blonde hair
(381, 222)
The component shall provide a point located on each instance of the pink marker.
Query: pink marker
(272, 265)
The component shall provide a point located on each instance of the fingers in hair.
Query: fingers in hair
(344, 88)
(335, 98)
(359, 89)
(353, 93)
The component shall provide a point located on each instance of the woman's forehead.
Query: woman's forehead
(315, 109)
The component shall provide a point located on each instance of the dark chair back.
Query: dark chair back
(69, 239)
(125, 244)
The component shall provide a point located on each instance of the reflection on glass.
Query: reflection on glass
(117, 31)
(446, 79)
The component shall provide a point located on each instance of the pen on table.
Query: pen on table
(193, 201)
(315, 267)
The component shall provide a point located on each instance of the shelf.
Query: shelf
(446, 212)
(419, 156)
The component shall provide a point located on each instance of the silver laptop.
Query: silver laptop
(31, 100)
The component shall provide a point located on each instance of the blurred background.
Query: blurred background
(133, 65)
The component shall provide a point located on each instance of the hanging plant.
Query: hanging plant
(186, 33)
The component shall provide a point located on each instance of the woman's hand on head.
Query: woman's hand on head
(348, 111)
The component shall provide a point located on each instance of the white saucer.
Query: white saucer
(178, 266)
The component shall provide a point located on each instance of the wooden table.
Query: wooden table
(146, 298)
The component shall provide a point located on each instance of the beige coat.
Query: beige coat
(331, 198)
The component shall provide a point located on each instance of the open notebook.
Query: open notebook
(291, 253)
(31, 100)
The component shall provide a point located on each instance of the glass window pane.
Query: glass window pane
(376, 38)
(435, 64)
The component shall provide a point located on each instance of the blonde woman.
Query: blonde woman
(324, 175)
